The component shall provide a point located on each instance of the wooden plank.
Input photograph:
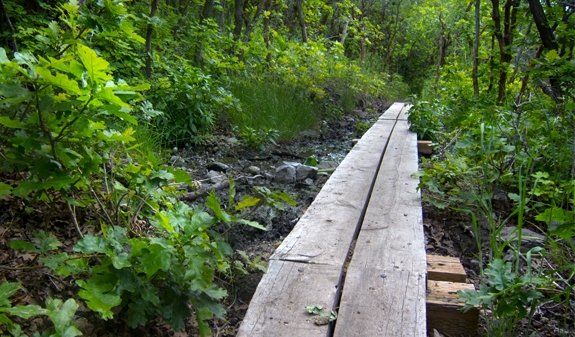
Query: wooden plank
(306, 269)
(393, 111)
(403, 115)
(384, 289)
(444, 309)
(445, 268)
(278, 306)
(424, 146)
(324, 233)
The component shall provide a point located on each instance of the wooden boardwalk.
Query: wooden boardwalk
(358, 250)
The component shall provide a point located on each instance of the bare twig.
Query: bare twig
(72, 210)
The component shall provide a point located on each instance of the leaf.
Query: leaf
(60, 81)
(551, 55)
(24, 246)
(175, 308)
(14, 93)
(153, 259)
(99, 297)
(311, 161)
(215, 292)
(95, 65)
(62, 316)
(231, 192)
(10, 123)
(138, 314)
(3, 56)
(203, 315)
(47, 241)
(181, 176)
(252, 224)
(7, 289)
(107, 94)
(27, 311)
(213, 203)
(247, 201)
(91, 244)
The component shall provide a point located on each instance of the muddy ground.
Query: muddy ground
(447, 232)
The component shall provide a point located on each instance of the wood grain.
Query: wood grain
(278, 306)
(384, 289)
(324, 232)
(445, 268)
(306, 269)
(393, 112)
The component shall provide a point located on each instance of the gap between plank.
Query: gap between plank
(340, 285)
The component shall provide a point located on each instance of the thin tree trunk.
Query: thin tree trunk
(12, 32)
(222, 17)
(149, 33)
(476, 50)
(299, 5)
(549, 42)
(344, 31)
(250, 26)
(441, 53)
(238, 18)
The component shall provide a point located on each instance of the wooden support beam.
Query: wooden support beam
(444, 310)
(424, 146)
(445, 268)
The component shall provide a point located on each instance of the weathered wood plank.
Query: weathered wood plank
(384, 289)
(324, 232)
(403, 114)
(444, 309)
(393, 111)
(278, 306)
(321, 240)
(445, 268)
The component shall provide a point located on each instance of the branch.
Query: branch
(12, 32)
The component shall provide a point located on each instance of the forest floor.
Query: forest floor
(447, 233)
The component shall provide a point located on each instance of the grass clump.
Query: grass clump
(272, 106)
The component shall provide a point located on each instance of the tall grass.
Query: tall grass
(267, 105)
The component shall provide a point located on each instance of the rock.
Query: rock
(219, 167)
(253, 170)
(177, 161)
(285, 174)
(304, 172)
(529, 238)
(309, 134)
(327, 165)
(232, 140)
(216, 177)
(308, 182)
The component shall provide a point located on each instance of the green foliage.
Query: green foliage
(267, 107)
(259, 139)
(424, 119)
(507, 294)
(191, 101)
(60, 313)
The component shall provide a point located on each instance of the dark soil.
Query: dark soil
(447, 232)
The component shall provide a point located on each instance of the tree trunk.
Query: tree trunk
(440, 61)
(549, 43)
(299, 5)
(149, 33)
(250, 25)
(504, 36)
(238, 18)
(344, 31)
(12, 32)
(222, 16)
(476, 50)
